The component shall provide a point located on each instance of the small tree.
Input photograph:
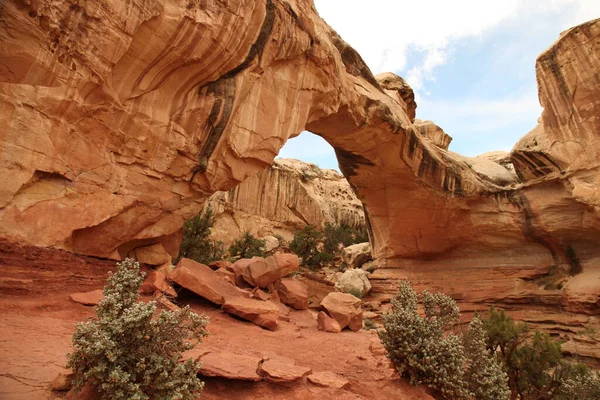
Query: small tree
(306, 244)
(129, 352)
(247, 247)
(196, 243)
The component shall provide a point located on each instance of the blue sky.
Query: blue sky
(470, 62)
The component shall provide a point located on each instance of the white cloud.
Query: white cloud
(383, 31)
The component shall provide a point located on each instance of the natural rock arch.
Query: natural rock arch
(117, 130)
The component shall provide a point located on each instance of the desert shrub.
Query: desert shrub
(535, 365)
(355, 292)
(342, 234)
(424, 349)
(248, 246)
(130, 352)
(369, 324)
(306, 244)
(196, 243)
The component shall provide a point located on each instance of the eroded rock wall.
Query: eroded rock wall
(283, 198)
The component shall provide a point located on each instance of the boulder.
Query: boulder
(327, 324)
(205, 282)
(357, 254)
(63, 381)
(157, 281)
(216, 265)
(87, 298)
(281, 372)
(154, 254)
(227, 274)
(263, 272)
(344, 308)
(261, 313)
(238, 269)
(259, 294)
(293, 293)
(271, 243)
(354, 281)
(328, 379)
(230, 366)
(317, 291)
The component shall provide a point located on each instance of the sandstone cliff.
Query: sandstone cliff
(282, 199)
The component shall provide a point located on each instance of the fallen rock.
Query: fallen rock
(354, 281)
(259, 294)
(328, 379)
(87, 392)
(317, 291)
(271, 243)
(63, 381)
(216, 265)
(293, 293)
(357, 254)
(327, 324)
(262, 272)
(344, 308)
(230, 366)
(154, 254)
(227, 274)
(238, 269)
(356, 322)
(164, 302)
(87, 298)
(205, 282)
(156, 280)
(280, 372)
(261, 313)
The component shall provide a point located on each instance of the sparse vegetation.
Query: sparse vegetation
(247, 247)
(196, 243)
(355, 292)
(130, 352)
(369, 324)
(425, 349)
(535, 365)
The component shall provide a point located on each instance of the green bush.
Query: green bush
(306, 244)
(247, 247)
(342, 234)
(535, 365)
(130, 352)
(196, 243)
(423, 349)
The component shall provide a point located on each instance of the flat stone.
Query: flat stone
(281, 372)
(293, 293)
(327, 324)
(230, 366)
(87, 298)
(261, 313)
(328, 379)
(205, 282)
(156, 280)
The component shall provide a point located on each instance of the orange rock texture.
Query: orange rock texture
(120, 119)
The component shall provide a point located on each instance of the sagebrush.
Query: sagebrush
(131, 352)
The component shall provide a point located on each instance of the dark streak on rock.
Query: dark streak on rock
(353, 62)
(350, 162)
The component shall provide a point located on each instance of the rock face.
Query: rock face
(432, 132)
(282, 199)
(116, 129)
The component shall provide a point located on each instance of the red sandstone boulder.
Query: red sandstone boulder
(230, 366)
(327, 324)
(293, 293)
(344, 308)
(280, 372)
(328, 379)
(220, 264)
(87, 298)
(259, 294)
(156, 280)
(261, 313)
(227, 274)
(63, 381)
(154, 254)
(317, 291)
(238, 269)
(263, 272)
(205, 282)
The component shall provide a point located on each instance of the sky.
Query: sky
(471, 63)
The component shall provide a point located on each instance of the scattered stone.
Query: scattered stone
(357, 254)
(344, 308)
(280, 372)
(329, 379)
(262, 272)
(216, 265)
(164, 302)
(293, 293)
(369, 266)
(354, 281)
(156, 280)
(63, 381)
(205, 282)
(154, 254)
(230, 366)
(317, 291)
(227, 274)
(238, 269)
(87, 298)
(271, 243)
(261, 313)
(327, 324)
(356, 322)
(259, 294)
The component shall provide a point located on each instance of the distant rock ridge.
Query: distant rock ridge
(283, 198)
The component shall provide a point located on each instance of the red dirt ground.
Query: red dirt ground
(38, 321)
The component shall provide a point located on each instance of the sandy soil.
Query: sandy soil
(38, 321)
